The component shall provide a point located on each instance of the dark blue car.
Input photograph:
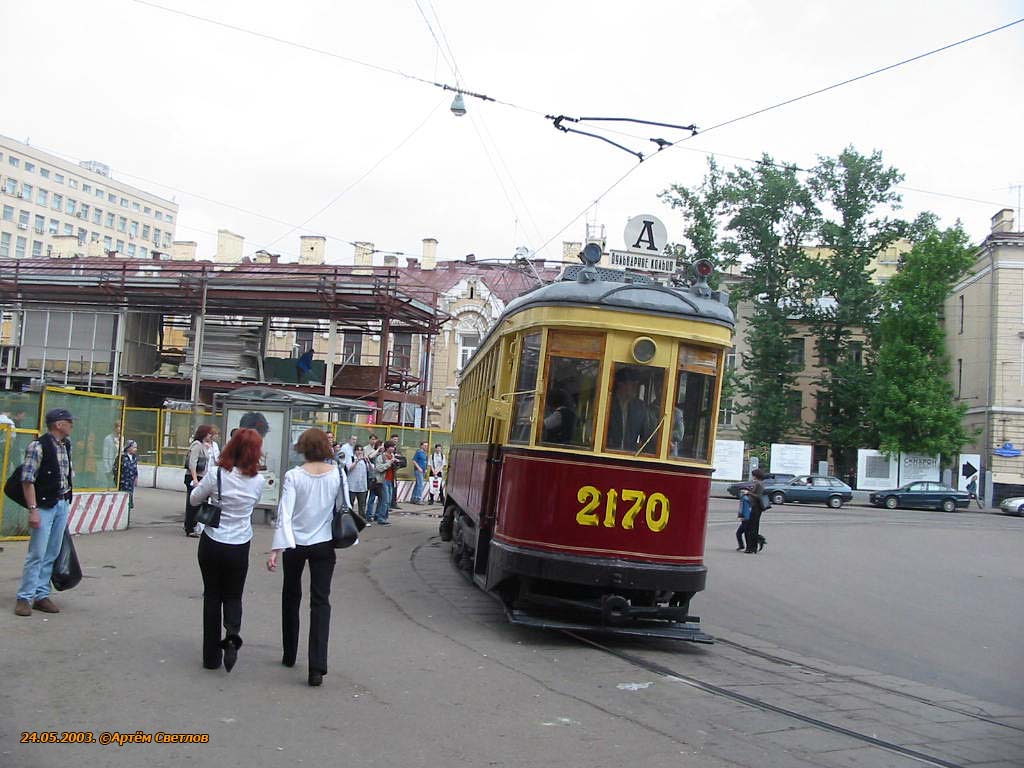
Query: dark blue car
(811, 489)
(922, 494)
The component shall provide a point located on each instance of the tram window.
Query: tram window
(526, 383)
(635, 410)
(572, 371)
(695, 397)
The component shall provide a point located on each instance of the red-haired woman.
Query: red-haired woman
(224, 551)
(308, 498)
(195, 469)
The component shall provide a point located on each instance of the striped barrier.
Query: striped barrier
(96, 512)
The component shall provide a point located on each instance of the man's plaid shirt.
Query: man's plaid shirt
(34, 457)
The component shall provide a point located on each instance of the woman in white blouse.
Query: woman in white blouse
(303, 533)
(224, 551)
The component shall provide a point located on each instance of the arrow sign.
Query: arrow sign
(968, 469)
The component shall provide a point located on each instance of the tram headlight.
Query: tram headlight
(644, 349)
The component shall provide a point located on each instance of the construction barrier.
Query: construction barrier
(98, 512)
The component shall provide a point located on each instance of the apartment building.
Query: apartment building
(52, 207)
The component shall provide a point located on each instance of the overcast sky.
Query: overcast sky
(221, 120)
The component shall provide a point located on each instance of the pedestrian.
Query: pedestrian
(400, 463)
(196, 462)
(224, 551)
(213, 452)
(972, 488)
(384, 472)
(46, 478)
(303, 534)
(347, 450)
(755, 541)
(112, 454)
(6, 420)
(419, 466)
(744, 516)
(438, 464)
(129, 472)
(304, 367)
(358, 471)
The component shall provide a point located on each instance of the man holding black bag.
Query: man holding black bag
(46, 478)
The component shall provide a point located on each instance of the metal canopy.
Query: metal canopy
(287, 398)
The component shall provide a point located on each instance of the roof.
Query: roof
(273, 396)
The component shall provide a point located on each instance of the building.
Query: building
(52, 207)
(985, 340)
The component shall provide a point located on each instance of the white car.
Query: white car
(1013, 506)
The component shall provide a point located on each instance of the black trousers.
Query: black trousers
(190, 511)
(224, 568)
(321, 559)
(753, 529)
(357, 500)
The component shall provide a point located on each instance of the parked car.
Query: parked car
(811, 489)
(1013, 506)
(777, 478)
(922, 495)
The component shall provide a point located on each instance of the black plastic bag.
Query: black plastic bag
(67, 571)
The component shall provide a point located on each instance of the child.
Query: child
(130, 471)
(744, 516)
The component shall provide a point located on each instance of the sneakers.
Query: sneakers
(384, 522)
(22, 608)
(46, 605)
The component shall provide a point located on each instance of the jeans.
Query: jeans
(417, 489)
(43, 548)
(372, 500)
(321, 559)
(384, 504)
(224, 568)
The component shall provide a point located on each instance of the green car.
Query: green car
(811, 489)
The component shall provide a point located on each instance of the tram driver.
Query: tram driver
(629, 415)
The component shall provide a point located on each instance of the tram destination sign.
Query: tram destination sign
(641, 261)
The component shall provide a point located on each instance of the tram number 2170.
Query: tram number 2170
(622, 508)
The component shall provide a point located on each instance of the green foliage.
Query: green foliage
(701, 208)
(912, 404)
(857, 192)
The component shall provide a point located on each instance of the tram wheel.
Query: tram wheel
(460, 552)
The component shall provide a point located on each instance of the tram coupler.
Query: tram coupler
(616, 609)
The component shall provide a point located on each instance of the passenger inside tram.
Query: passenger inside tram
(634, 418)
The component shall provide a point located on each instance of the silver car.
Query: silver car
(1013, 506)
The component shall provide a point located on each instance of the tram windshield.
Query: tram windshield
(695, 399)
(572, 370)
(635, 409)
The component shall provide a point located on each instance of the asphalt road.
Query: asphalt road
(930, 596)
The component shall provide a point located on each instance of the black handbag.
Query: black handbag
(13, 488)
(209, 513)
(67, 571)
(344, 531)
(765, 502)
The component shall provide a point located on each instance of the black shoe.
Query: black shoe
(231, 644)
(208, 665)
(288, 662)
(315, 679)
(761, 544)
(749, 551)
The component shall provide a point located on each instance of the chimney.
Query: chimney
(312, 249)
(364, 258)
(390, 260)
(183, 250)
(261, 257)
(571, 250)
(470, 258)
(429, 253)
(1003, 221)
(229, 247)
(412, 263)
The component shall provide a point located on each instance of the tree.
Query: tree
(857, 191)
(701, 208)
(912, 403)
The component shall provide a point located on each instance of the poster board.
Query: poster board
(274, 445)
(962, 473)
(728, 460)
(875, 470)
(791, 459)
(917, 466)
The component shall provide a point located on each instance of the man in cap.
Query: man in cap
(46, 477)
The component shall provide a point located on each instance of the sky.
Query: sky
(335, 132)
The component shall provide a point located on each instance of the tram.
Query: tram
(580, 466)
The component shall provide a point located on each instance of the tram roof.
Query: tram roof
(623, 291)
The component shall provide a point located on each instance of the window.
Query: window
(147, 210)
(42, 197)
(59, 178)
(135, 206)
(170, 219)
(83, 211)
(133, 228)
(124, 202)
(5, 244)
(87, 188)
(27, 190)
(145, 231)
(690, 437)
(13, 161)
(726, 412)
(468, 342)
(961, 302)
(69, 229)
(94, 237)
(108, 244)
(352, 349)
(19, 247)
(30, 167)
(572, 370)
(11, 186)
(40, 224)
(120, 246)
(37, 249)
(822, 408)
(526, 384)
(23, 218)
(855, 352)
(167, 239)
(69, 206)
(143, 252)
(82, 235)
(959, 375)
(44, 172)
(99, 193)
(110, 219)
(794, 405)
(54, 226)
(73, 183)
(97, 215)
(57, 202)
(796, 351)
(156, 236)
(401, 354)
(634, 410)
(111, 197)
(131, 250)
(159, 215)
(8, 213)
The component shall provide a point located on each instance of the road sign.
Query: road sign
(968, 469)
(641, 262)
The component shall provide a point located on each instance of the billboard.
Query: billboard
(728, 460)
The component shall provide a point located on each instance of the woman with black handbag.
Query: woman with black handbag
(234, 486)
(305, 512)
(195, 468)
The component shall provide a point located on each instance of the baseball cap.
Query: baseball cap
(58, 414)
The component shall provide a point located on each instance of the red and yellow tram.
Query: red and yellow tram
(580, 468)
